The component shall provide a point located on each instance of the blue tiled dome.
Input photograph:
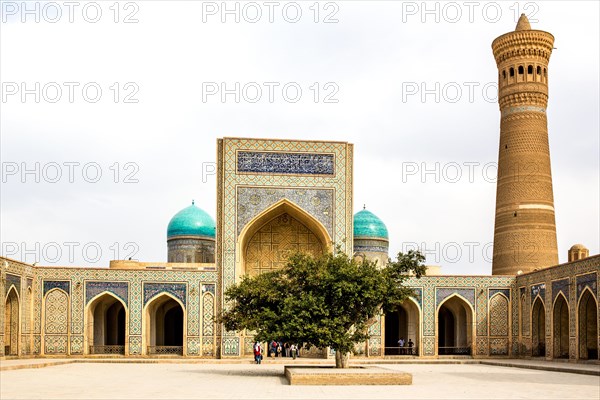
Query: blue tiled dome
(367, 224)
(191, 221)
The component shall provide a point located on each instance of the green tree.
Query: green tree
(328, 301)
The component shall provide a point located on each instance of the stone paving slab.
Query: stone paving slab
(589, 368)
(244, 381)
(355, 375)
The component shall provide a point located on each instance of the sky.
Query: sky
(110, 113)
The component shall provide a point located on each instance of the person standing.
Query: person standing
(293, 349)
(257, 352)
(401, 345)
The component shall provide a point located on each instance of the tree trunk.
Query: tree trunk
(341, 359)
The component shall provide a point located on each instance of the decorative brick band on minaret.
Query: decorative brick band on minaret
(525, 229)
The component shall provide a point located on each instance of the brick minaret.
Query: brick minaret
(525, 230)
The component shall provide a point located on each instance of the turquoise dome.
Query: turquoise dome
(367, 224)
(191, 221)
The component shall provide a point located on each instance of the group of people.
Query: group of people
(276, 349)
(403, 346)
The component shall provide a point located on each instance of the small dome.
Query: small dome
(367, 224)
(191, 221)
(578, 247)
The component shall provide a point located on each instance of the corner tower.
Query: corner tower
(525, 229)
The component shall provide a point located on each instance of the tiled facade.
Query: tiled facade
(49, 311)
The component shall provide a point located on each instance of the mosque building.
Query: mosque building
(277, 196)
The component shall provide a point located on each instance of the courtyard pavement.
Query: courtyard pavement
(217, 380)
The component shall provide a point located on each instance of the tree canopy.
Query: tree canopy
(327, 301)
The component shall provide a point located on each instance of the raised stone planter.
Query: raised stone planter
(357, 375)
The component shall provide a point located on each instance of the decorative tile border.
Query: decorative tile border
(268, 162)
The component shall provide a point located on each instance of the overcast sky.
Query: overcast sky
(361, 80)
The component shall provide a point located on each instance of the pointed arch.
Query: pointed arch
(281, 207)
(455, 326)
(538, 327)
(405, 323)
(164, 325)
(560, 326)
(587, 325)
(12, 321)
(106, 321)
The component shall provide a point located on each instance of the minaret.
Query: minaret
(525, 230)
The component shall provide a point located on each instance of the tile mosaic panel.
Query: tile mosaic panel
(560, 286)
(481, 346)
(375, 346)
(56, 312)
(429, 345)
(540, 289)
(77, 344)
(208, 310)
(13, 280)
(55, 344)
(442, 294)
(498, 347)
(587, 280)
(62, 285)
(135, 345)
(178, 290)
(119, 289)
(208, 289)
(505, 292)
(252, 201)
(193, 346)
(419, 296)
(208, 346)
(231, 346)
(285, 163)
(498, 316)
